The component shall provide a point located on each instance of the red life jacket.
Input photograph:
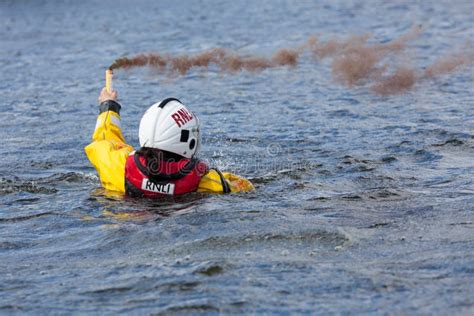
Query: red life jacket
(163, 177)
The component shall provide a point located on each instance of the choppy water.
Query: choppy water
(364, 204)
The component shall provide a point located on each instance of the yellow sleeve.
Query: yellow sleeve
(211, 183)
(108, 151)
(108, 127)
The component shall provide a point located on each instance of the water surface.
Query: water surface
(363, 203)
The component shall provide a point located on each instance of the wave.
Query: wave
(45, 185)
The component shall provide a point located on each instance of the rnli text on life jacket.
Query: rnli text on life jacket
(164, 188)
(181, 117)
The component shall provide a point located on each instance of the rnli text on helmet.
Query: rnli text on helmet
(181, 117)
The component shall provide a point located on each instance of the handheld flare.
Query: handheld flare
(108, 80)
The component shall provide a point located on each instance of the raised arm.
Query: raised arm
(108, 151)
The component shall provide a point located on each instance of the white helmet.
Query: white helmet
(170, 126)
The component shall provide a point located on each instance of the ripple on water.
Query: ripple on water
(265, 243)
(426, 156)
(381, 194)
(8, 186)
(24, 218)
(189, 307)
(14, 245)
(350, 164)
(450, 142)
(44, 185)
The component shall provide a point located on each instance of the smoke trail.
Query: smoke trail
(355, 61)
(449, 64)
(225, 60)
(286, 57)
(402, 80)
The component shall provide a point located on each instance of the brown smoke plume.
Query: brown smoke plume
(448, 64)
(355, 61)
(286, 56)
(402, 80)
(225, 60)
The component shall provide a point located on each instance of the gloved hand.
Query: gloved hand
(105, 95)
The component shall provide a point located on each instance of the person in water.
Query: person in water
(166, 163)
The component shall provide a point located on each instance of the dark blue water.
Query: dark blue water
(364, 203)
